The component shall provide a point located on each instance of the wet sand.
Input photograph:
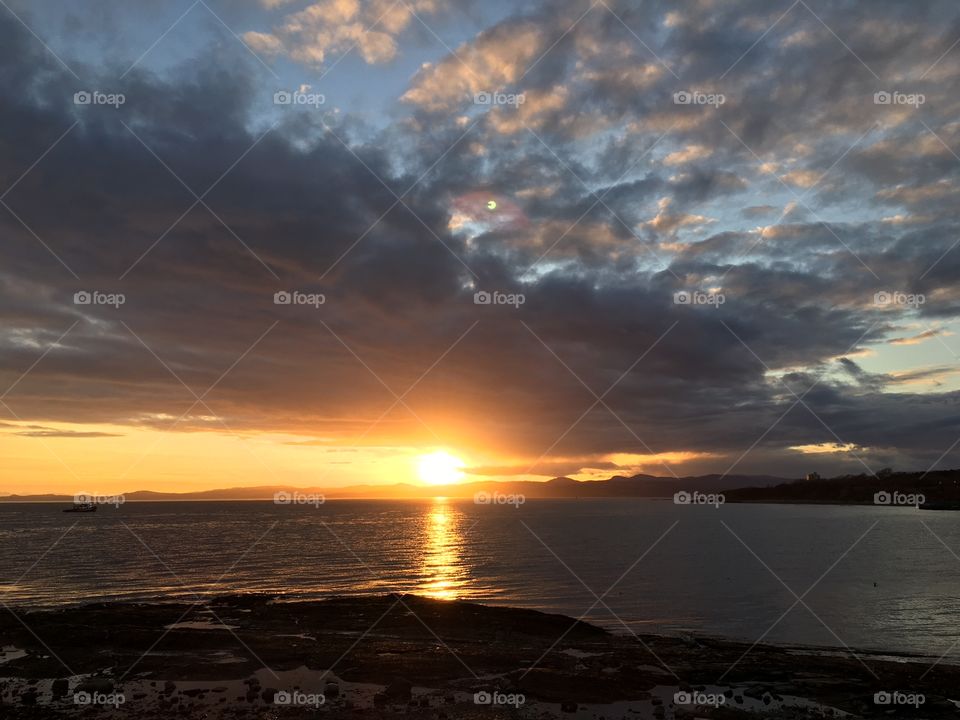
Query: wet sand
(408, 656)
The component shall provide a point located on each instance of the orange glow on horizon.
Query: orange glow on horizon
(67, 458)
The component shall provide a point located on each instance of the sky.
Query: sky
(293, 242)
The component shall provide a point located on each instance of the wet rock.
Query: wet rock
(96, 685)
(937, 703)
(403, 649)
(59, 688)
(398, 691)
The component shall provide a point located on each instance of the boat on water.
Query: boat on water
(82, 508)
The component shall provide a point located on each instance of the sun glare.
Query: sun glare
(440, 468)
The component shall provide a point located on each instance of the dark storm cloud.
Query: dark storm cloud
(629, 199)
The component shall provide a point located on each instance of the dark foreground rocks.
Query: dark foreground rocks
(407, 656)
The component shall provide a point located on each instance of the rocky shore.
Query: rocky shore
(407, 656)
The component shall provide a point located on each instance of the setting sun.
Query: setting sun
(440, 468)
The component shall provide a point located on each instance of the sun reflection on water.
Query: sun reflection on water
(443, 572)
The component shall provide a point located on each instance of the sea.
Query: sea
(879, 578)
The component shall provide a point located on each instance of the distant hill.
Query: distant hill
(640, 486)
(939, 487)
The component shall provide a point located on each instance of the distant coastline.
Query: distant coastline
(936, 490)
(641, 486)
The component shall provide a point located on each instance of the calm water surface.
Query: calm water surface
(729, 572)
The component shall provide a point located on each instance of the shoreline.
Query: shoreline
(409, 656)
(613, 628)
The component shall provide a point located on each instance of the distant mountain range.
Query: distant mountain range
(939, 489)
(638, 486)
